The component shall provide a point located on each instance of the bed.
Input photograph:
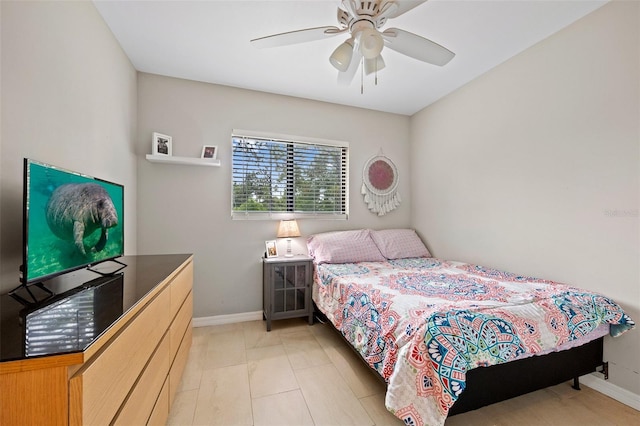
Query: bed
(448, 336)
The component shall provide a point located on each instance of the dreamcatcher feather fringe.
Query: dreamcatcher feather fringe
(380, 204)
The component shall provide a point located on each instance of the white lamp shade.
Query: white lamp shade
(373, 65)
(288, 229)
(371, 43)
(341, 57)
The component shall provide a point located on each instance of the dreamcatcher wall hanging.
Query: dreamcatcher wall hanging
(380, 185)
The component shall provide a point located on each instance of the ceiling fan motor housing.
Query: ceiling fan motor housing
(365, 10)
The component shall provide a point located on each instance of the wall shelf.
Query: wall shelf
(188, 161)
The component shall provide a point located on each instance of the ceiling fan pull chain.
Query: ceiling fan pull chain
(362, 76)
(376, 74)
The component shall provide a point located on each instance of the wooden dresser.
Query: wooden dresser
(128, 373)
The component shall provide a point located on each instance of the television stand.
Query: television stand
(110, 273)
(34, 300)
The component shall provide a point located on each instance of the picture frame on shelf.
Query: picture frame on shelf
(209, 152)
(161, 145)
(272, 248)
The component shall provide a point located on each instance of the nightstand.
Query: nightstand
(286, 286)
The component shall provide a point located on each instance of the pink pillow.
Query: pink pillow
(344, 247)
(399, 243)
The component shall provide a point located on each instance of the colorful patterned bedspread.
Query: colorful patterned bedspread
(423, 322)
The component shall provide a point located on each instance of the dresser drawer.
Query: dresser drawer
(180, 287)
(160, 412)
(99, 388)
(139, 405)
(180, 324)
(179, 363)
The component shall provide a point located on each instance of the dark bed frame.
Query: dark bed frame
(488, 385)
(496, 383)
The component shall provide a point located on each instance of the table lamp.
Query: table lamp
(288, 229)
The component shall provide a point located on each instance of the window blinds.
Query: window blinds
(278, 178)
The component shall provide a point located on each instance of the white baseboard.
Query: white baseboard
(613, 391)
(227, 319)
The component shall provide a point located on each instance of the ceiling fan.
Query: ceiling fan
(363, 20)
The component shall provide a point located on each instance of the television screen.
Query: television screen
(71, 221)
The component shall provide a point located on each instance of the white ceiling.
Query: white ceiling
(209, 41)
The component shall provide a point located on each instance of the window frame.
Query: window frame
(291, 139)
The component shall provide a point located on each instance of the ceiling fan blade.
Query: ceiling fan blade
(345, 78)
(294, 37)
(416, 47)
(405, 6)
(387, 10)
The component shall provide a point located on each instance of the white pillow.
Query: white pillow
(344, 247)
(399, 243)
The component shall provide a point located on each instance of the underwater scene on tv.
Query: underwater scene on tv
(72, 221)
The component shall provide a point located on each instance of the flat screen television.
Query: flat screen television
(70, 221)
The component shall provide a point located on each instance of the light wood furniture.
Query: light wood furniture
(129, 374)
(286, 286)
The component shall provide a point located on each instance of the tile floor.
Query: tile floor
(239, 374)
(296, 374)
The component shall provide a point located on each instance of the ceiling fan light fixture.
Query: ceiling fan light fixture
(373, 65)
(363, 21)
(371, 43)
(341, 57)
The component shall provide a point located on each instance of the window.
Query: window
(276, 176)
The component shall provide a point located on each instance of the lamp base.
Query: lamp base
(288, 254)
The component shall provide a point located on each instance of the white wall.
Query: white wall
(188, 209)
(69, 99)
(534, 167)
